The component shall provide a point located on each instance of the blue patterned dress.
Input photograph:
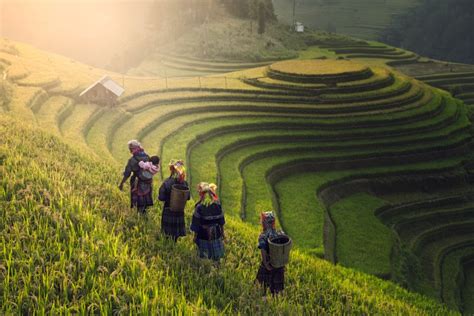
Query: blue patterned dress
(172, 223)
(208, 222)
(270, 279)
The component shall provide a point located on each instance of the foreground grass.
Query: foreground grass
(72, 246)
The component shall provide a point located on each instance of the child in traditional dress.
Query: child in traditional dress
(208, 223)
(140, 191)
(152, 166)
(172, 222)
(268, 276)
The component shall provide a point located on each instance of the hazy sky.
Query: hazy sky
(91, 31)
(73, 1)
(1, 18)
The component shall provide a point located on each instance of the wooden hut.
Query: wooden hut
(105, 91)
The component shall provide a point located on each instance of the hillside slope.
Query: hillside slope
(222, 40)
(71, 245)
(337, 134)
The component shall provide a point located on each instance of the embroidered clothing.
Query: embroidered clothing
(140, 192)
(172, 223)
(207, 223)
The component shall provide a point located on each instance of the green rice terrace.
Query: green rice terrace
(368, 170)
(313, 46)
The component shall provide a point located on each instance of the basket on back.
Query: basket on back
(179, 197)
(279, 248)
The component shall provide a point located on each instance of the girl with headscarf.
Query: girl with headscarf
(208, 223)
(172, 222)
(140, 190)
(268, 276)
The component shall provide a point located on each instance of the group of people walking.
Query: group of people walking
(208, 218)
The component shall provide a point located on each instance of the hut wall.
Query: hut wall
(99, 94)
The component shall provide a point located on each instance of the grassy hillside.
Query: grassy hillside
(185, 59)
(319, 147)
(455, 78)
(209, 48)
(59, 208)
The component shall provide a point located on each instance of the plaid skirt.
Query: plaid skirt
(172, 223)
(274, 279)
(141, 194)
(211, 249)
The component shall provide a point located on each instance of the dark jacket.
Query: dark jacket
(205, 217)
(132, 168)
(165, 190)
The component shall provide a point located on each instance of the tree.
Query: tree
(239, 8)
(249, 9)
(331, 28)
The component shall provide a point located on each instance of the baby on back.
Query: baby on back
(149, 168)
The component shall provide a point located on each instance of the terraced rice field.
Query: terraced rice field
(322, 142)
(460, 84)
(368, 50)
(181, 66)
(169, 66)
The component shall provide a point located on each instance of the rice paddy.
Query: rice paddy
(321, 142)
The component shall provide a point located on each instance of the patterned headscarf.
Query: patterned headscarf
(178, 171)
(268, 225)
(207, 193)
(268, 220)
(134, 143)
(135, 147)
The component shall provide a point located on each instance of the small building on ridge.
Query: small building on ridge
(299, 27)
(105, 91)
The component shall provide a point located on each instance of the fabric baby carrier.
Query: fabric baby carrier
(144, 175)
(144, 180)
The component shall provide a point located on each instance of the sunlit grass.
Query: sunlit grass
(66, 215)
(73, 126)
(96, 137)
(47, 115)
(318, 67)
(39, 79)
(22, 99)
(54, 200)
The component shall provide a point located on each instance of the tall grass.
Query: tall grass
(71, 246)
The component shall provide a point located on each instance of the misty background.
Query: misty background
(118, 35)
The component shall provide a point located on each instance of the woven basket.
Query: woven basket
(179, 197)
(279, 248)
